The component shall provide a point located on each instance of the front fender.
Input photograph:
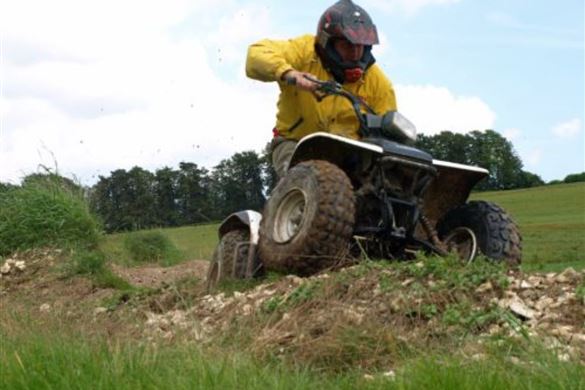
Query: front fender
(247, 220)
(333, 148)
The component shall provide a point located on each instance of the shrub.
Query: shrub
(575, 178)
(45, 213)
(93, 265)
(151, 246)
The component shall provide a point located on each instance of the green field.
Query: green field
(551, 220)
(552, 223)
(193, 242)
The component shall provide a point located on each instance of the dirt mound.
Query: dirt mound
(365, 314)
(362, 316)
(37, 283)
(155, 276)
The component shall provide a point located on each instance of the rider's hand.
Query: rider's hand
(300, 81)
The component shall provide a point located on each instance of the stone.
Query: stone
(99, 310)
(543, 303)
(525, 285)
(389, 374)
(519, 308)
(568, 275)
(45, 308)
(407, 282)
(487, 286)
(5, 268)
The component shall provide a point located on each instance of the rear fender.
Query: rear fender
(247, 220)
(450, 188)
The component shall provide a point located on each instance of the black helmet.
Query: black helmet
(346, 20)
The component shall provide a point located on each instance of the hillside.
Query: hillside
(375, 324)
(552, 223)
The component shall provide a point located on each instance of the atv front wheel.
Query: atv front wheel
(308, 220)
(497, 235)
(230, 259)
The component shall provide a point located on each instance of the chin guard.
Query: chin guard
(352, 75)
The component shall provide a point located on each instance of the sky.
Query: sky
(88, 87)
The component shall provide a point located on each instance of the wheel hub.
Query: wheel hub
(289, 216)
(463, 242)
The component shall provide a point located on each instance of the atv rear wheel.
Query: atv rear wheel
(497, 235)
(308, 220)
(229, 258)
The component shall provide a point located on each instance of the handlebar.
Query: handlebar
(331, 87)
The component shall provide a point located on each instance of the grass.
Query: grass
(93, 265)
(192, 242)
(552, 222)
(45, 213)
(151, 247)
(33, 358)
(35, 353)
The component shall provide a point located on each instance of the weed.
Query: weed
(93, 264)
(151, 246)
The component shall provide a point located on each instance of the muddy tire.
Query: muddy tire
(308, 220)
(229, 258)
(498, 236)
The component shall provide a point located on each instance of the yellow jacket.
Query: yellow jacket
(299, 112)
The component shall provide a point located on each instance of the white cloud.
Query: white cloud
(408, 6)
(114, 88)
(568, 129)
(533, 157)
(512, 134)
(433, 109)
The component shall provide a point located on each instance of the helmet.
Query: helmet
(345, 20)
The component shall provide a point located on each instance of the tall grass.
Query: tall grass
(45, 213)
(43, 360)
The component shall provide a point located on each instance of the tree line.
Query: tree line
(138, 199)
(190, 194)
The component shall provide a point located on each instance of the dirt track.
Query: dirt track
(292, 312)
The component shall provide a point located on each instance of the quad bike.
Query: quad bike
(377, 194)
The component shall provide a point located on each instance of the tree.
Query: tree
(238, 183)
(269, 176)
(528, 179)
(166, 183)
(193, 197)
(575, 177)
(125, 200)
(141, 206)
(486, 149)
(495, 153)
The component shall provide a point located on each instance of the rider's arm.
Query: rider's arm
(269, 60)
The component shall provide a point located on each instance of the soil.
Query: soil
(155, 277)
(292, 312)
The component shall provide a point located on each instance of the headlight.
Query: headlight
(396, 126)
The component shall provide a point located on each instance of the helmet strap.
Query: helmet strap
(352, 75)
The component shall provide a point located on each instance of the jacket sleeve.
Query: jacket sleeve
(268, 59)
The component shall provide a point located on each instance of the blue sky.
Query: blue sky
(96, 86)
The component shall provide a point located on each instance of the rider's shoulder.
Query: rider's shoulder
(375, 76)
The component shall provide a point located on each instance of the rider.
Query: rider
(342, 51)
